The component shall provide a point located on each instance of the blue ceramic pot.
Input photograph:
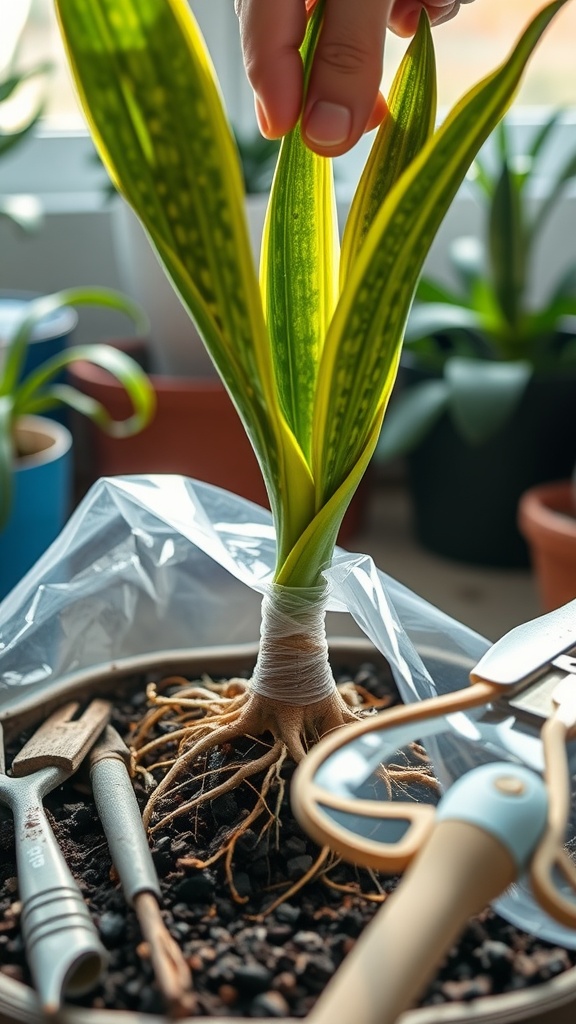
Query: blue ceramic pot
(42, 497)
(51, 335)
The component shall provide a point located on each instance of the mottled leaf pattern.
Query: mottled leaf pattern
(360, 357)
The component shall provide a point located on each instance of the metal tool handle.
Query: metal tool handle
(63, 948)
(122, 823)
(489, 823)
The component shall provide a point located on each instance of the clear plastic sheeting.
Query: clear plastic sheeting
(150, 563)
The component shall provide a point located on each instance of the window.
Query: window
(467, 47)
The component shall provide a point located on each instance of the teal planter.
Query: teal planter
(49, 337)
(42, 497)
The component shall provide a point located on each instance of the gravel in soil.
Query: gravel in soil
(244, 963)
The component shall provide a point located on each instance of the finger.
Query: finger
(271, 33)
(378, 113)
(346, 74)
(406, 13)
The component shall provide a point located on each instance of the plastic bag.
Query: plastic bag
(149, 563)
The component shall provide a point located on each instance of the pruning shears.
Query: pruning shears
(502, 753)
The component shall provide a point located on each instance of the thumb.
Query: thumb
(346, 73)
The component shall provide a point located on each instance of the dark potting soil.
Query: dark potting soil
(246, 963)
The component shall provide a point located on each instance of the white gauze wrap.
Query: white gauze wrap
(292, 661)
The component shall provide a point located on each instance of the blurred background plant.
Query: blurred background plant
(483, 339)
(484, 408)
(24, 210)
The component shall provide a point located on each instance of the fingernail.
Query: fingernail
(261, 118)
(328, 124)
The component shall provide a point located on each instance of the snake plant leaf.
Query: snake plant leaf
(299, 266)
(507, 245)
(361, 353)
(410, 418)
(483, 395)
(408, 124)
(151, 100)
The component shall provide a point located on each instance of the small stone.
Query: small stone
(224, 809)
(288, 913)
(228, 994)
(296, 867)
(285, 982)
(295, 845)
(494, 955)
(242, 884)
(471, 988)
(252, 978)
(197, 888)
(269, 1004)
(112, 927)
(310, 941)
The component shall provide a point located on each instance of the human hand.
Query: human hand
(343, 98)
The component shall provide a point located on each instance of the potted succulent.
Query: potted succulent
(489, 372)
(35, 450)
(310, 360)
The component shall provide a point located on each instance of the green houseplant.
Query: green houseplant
(23, 210)
(490, 371)
(310, 356)
(35, 451)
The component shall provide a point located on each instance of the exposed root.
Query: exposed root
(312, 872)
(189, 722)
(224, 722)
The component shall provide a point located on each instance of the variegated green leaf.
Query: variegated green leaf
(152, 103)
(361, 353)
(407, 125)
(299, 267)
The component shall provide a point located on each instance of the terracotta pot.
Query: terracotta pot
(552, 1002)
(196, 432)
(547, 519)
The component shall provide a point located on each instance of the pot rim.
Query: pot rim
(58, 437)
(544, 511)
(18, 1003)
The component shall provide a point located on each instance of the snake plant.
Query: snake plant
(309, 352)
(43, 389)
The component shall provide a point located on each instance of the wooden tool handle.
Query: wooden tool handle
(488, 826)
(459, 871)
